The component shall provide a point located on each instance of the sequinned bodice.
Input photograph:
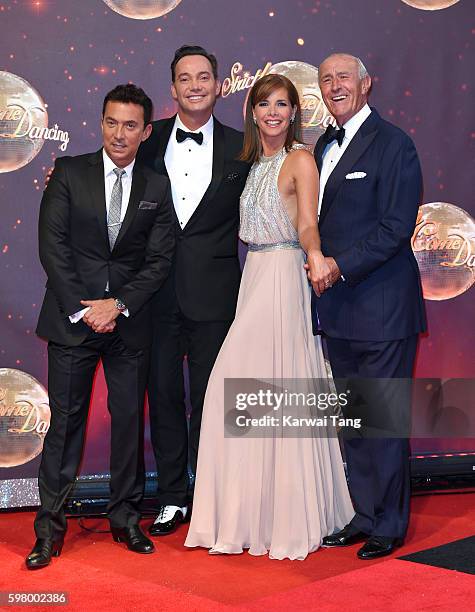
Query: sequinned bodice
(263, 215)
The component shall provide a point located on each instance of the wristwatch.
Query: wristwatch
(119, 304)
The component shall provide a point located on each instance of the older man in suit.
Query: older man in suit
(372, 310)
(106, 242)
(195, 307)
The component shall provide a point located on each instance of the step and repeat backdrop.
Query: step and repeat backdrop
(58, 58)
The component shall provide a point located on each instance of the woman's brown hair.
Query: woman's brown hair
(261, 90)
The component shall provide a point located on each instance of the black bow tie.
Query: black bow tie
(181, 136)
(332, 134)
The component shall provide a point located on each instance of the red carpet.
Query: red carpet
(99, 574)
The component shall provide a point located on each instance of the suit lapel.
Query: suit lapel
(96, 186)
(136, 194)
(163, 138)
(318, 152)
(217, 173)
(358, 145)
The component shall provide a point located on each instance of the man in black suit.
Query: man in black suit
(372, 311)
(106, 243)
(195, 307)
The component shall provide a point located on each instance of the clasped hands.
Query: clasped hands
(101, 315)
(322, 271)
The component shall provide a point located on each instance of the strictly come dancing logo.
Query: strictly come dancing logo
(315, 116)
(444, 245)
(23, 123)
(24, 417)
(142, 9)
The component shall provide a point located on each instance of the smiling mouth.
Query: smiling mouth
(118, 145)
(195, 98)
(339, 98)
(273, 122)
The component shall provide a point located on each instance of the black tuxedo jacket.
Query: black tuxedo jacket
(206, 273)
(366, 222)
(75, 252)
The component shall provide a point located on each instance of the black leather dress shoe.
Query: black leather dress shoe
(43, 550)
(168, 520)
(346, 537)
(378, 546)
(135, 539)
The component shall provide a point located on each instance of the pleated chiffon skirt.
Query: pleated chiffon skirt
(278, 495)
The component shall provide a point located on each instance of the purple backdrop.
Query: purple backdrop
(73, 52)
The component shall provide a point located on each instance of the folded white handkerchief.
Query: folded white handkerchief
(355, 175)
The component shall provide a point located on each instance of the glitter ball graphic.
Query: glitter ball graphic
(24, 417)
(22, 116)
(142, 9)
(430, 5)
(444, 245)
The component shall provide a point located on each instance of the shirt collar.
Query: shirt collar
(109, 166)
(206, 129)
(354, 124)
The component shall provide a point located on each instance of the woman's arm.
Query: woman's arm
(305, 178)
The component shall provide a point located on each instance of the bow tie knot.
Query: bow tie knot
(333, 133)
(181, 136)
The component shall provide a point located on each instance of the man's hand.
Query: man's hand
(335, 270)
(108, 328)
(322, 272)
(101, 315)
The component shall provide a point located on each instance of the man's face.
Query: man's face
(344, 93)
(123, 130)
(195, 89)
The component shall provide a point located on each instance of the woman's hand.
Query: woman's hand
(318, 271)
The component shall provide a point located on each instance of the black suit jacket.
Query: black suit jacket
(75, 252)
(206, 273)
(366, 224)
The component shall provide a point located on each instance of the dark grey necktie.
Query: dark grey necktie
(113, 218)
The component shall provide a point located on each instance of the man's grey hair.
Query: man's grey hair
(362, 72)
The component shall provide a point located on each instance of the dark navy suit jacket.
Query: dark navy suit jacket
(366, 224)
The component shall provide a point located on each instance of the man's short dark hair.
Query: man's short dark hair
(130, 94)
(185, 50)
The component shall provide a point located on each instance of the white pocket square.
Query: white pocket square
(144, 205)
(355, 175)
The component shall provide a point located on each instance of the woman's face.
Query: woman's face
(273, 114)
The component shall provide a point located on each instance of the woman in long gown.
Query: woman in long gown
(274, 494)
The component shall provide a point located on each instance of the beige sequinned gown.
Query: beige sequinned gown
(276, 495)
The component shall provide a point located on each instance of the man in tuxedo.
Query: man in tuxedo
(372, 310)
(106, 243)
(195, 307)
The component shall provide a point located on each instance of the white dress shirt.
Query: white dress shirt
(109, 180)
(190, 167)
(333, 152)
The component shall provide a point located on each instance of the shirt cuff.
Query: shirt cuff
(77, 316)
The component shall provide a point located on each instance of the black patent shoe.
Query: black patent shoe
(346, 537)
(43, 550)
(134, 538)
(378, 546)
(168, 520)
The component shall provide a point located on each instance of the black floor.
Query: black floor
(458, 556)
